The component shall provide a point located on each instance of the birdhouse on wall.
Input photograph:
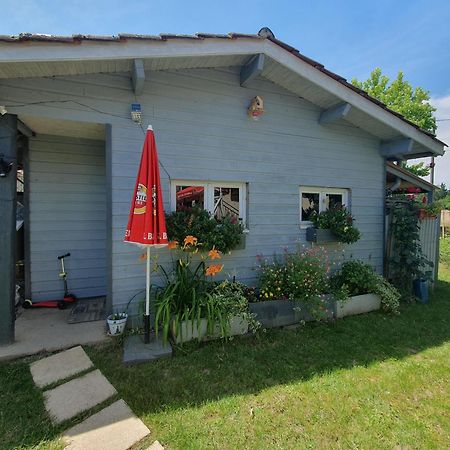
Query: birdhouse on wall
(256, 108)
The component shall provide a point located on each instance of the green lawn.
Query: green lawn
(372, 381)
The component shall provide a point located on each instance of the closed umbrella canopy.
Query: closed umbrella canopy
(146, 222)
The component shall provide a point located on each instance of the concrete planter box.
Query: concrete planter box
(191, 331)
(359, 304)
(281, 313)
(320, 236)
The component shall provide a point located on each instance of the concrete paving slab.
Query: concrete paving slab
(135, 351)
(46, 329)
(112, 428)
(60, 366)
(156, 446)
(78, 395)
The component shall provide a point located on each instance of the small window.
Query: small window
(316, 200)
(220, 199)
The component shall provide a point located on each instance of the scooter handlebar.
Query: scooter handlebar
(63, 256)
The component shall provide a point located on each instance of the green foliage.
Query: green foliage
(224, 235)
(301, 276)
(339, 221)
(358, 278)
(419, 169)
(407, 262)
(231, 299)
(442, 192)
(442, 197)
(444, 250)
(399, 95)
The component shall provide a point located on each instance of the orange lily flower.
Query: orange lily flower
(190, 240)
(213, 269)
(143, 257)
(214, 254)
(173, 245)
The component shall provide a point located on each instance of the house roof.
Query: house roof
(29, 55)
(409, 179)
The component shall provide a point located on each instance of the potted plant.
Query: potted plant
(116, 323)
(334, 224)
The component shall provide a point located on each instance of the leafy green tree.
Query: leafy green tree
(400, 96)
(419, 169)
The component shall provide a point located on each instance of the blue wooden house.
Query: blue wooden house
(66, 118)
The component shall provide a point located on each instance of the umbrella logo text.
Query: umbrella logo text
(140, 203)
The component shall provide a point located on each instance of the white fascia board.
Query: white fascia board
(345, 94)
(133, 49)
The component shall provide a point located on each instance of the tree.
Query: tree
(400, 96)
(419, 169)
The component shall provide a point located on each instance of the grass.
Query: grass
(373, 381)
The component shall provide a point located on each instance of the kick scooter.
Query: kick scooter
(61, 304)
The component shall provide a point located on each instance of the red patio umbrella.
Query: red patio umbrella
(146, 222)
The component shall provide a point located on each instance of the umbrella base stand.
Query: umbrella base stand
(146, 328)
(136, 351)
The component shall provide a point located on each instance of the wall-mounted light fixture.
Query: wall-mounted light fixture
(136, 112)
(256, 108)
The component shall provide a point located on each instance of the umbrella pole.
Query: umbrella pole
(147, 302)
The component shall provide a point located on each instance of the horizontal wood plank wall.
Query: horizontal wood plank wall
(203, 133)
(67, 214)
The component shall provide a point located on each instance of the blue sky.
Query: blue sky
(349, 37)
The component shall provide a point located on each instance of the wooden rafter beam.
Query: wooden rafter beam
(396, 149)
(252, 69)
(138, 76)
(336, 112)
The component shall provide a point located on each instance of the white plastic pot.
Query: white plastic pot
(117, 326)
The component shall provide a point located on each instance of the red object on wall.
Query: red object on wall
(146, 221)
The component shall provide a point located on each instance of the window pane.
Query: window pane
(190, 196)
(333, 200)
(310, 203)
(226, 202)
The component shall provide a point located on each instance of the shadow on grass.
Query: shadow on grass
(209, 372)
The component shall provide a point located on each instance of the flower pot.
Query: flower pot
(276, 313)
(358, 304)
(421, 290)
(117, 326)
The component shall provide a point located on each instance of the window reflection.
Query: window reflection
(226, 202)
(333, 200)
(190, 196)
(310, 204)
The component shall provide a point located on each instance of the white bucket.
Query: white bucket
(117, 326)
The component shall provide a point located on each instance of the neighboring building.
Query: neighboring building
(320, 141)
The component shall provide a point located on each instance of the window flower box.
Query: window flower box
(320, 236)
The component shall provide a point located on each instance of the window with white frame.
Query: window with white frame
(316, 200)
(220, 199)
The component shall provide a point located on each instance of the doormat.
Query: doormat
(88, 310)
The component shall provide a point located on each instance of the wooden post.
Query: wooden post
(8, 188)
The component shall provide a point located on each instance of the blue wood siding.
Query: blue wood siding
(67, 214)
(203, 133)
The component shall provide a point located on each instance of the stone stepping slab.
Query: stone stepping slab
(78, 395)
(113, 428)
(60, 366)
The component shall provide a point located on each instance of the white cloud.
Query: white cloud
(442, 171)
